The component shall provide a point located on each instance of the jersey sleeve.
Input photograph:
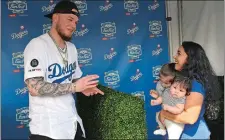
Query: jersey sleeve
(34, 59)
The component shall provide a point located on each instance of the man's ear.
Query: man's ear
(55, 18)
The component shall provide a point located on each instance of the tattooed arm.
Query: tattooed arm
(38, 87)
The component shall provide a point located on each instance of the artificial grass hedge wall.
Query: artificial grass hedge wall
(115, 115)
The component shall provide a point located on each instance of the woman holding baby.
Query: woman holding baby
(191, 61)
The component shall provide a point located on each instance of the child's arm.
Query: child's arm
(154, 93)
(157, 101)
(158, 92)
(174, 109)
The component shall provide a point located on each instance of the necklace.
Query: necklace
(64, 51)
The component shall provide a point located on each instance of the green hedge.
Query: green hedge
(115, 115)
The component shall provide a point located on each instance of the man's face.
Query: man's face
(66, 25)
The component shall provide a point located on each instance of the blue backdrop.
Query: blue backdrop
(125, 42)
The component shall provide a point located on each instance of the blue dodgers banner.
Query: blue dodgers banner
(125, 42)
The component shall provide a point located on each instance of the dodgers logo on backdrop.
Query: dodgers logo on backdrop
(155, 71)
(133, 29)
(46, 28)
(131, 6)
(110, 55)
(157, 51)
(82, 6)
(81, 31)
(22, 116)
(61, 73)
(155, 28)
(106, 7)
(134, 52)
(112, 78)
(23, 32)
(21, 91)
(154, 6)
(18, 60)
(84, 56)
(137, 76)
(17, 7)
(139, 94)
(108, 29)
(48, 8)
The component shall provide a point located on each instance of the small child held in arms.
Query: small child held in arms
(171, 92)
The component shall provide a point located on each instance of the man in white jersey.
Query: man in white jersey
(51, 72)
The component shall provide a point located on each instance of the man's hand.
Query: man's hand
(87, 82)
(92, 91)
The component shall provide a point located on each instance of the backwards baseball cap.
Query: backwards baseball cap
(64, 7)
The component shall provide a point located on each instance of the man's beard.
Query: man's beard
(63, 36)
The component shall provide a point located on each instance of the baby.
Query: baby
(166, 76)
(171, 92)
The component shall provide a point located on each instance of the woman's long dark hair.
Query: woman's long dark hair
(198, 67)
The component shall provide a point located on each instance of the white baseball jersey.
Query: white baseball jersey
(54, 117)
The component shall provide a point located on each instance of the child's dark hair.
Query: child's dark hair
(184, 82)
(168, 70)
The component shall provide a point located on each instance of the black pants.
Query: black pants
(78, 135)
